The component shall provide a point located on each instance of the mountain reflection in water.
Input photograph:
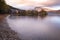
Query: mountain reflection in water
(36, 28)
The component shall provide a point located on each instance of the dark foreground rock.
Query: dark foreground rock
(6, 33)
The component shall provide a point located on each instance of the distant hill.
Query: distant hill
(46, 9)
(13, 8)
(51, 10)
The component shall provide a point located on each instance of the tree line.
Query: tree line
(15, 12)
(3, 7)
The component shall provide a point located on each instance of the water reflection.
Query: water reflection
(35, 28)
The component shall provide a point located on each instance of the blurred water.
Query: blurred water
(36, 28)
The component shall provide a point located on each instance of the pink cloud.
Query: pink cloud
(26, 4)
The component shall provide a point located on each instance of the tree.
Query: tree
(3, 6)
(42, 13)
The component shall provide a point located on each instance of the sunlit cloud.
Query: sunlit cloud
(32, 3)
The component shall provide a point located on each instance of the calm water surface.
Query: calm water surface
(36, 28)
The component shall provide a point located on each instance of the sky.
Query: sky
(31, 4)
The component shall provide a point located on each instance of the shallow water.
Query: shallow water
(35, 28)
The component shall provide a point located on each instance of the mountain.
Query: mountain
(51, 10)
(48, 9)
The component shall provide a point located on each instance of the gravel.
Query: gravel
(6, 33)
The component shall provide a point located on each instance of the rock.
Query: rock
(6, 33)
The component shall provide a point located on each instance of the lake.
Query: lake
(36, 28)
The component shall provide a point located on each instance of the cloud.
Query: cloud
(32, 3)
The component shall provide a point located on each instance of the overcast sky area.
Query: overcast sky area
(31, 4)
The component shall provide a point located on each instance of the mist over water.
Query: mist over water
(35, 28)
